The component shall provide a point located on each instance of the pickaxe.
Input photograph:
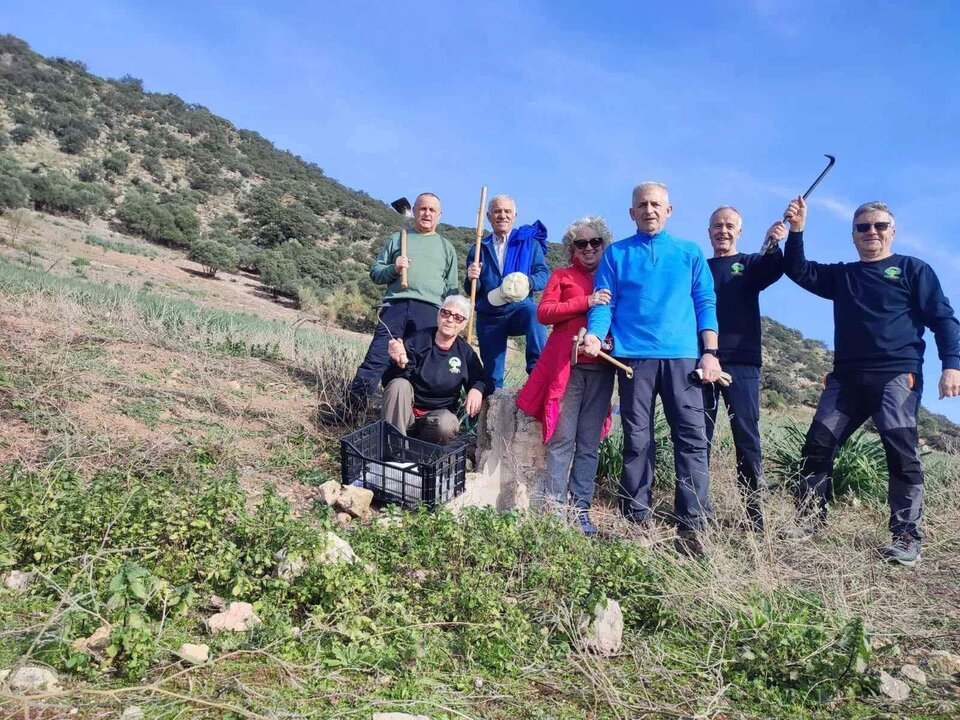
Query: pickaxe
(402, 206)
(578, 341)
(770, 242)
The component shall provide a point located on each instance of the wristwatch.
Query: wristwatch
(711, 351)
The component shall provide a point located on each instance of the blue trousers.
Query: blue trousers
(403, 317)
(493, 330)
(844, 406)
(742, 399)
(683, 405)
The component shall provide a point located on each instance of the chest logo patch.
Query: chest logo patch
(454, 364)
(892, 273)
(737, 269)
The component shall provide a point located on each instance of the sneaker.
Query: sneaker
(585, 525)
(644, 521)
(904, 550)
(687, 543)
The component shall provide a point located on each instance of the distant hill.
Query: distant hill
(72, 143)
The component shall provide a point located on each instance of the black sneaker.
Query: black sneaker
(585, 524)
(904, 550)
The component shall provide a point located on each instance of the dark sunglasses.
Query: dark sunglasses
(451, 314)
(592, 242)
(878, 226)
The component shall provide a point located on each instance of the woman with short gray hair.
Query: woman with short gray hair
(421, 390)
(572, 403)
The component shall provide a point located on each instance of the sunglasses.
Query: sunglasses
(592, 242)
(444, 313)
(878, 226)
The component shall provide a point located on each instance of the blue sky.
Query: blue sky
(566, 105)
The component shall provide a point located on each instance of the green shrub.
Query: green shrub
(53, 192)
(13, 194)
(152, 164)
(860, 468)
(120, 247)
(117, 162)
(168, 223)
(213, 256)
(22, 133)
(90, 171)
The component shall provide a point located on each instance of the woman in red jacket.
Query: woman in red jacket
(572, 404)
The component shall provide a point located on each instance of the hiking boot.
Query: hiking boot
(904, 550)
(687, 543)
(644, 521)
(585, 525)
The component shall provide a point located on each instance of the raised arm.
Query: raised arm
(765, 270)
(813, 276)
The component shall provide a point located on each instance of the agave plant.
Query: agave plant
(860, 468)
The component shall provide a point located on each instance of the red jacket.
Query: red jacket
(564, 304)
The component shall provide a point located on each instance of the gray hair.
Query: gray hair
(460, 304)
(595, 223)
(501, 197)
(872, 206)
(648, 184)
(726, 207)
(426, 194)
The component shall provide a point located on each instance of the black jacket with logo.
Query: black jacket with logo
(880, 310)
(738, 280)
(437, 375)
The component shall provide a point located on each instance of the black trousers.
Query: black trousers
(893, 401)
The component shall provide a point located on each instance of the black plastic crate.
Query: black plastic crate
(401, 469)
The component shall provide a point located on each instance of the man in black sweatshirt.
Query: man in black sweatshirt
(738, 279)
(880, 308)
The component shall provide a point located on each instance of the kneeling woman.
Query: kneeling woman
(573, 406)
(422, 389)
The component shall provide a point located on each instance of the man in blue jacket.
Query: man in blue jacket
(663, 319)
(880, 308)
(511, 268)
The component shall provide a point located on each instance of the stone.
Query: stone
(329, 492)
(942, 663)
(134, 712)
(30, 679)
(355, 501)
(289, 568)
(604, 636)
(896, 690)
(398, 716)
(238, 617)
(194, 654)
(18, 580)
(97, 641)
(217, 602)
(914, 674)
(343, 519)
(338, 550)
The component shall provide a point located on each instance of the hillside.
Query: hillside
(121, 159)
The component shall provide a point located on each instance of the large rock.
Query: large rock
(30, 679)
(289, 567)
(914, 674)
(18, 580)
(355, 501)
(238, 617)
(896, 690)
(97, 641)
(329, 492)
(604, 635)
(511, 458)
(194, 654)
(338, 550)
(942, 663)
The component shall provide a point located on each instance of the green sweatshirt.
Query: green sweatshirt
(432, 274)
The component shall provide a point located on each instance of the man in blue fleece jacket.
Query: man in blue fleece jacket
(880, 308)
(662, 311)
(511, 268)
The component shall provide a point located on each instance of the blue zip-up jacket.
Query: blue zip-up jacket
(661, 297)
(491, 275)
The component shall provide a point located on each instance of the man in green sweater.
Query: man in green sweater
(431, 264)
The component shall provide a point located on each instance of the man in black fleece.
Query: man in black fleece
(880, 308)
(738, 279)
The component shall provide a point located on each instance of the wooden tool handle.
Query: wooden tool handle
(616, 363)
(403, 251)
(476, 259)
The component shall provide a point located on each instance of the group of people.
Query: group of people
(688, 330)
